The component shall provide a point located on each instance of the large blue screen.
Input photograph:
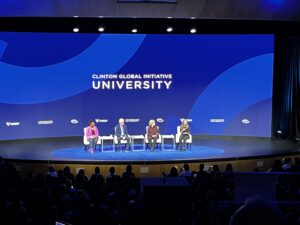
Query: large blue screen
(52, 84)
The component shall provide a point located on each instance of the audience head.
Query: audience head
(97, 170)
(215, 168)
(186, 167)
(112, 170)
(67, 170)
(81, 172)
(258, 211)
(128, 169)
(173, 172)
(229, 168)
(201, 167)
(51, 169)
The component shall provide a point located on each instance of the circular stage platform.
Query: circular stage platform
(204, 148)
(196, 152)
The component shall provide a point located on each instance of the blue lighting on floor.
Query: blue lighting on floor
(78, 153)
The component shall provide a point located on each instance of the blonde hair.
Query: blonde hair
(151, 122)
(182, 123)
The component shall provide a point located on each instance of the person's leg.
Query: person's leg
(180, 141)
(119, 143)
(95, 143)
(128, 142)
(154, 141)
(150, 143)
(91, 145)
(185, 138)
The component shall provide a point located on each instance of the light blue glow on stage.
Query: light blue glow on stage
(78, 153)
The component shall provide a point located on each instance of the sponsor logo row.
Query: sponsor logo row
(17, 123)
(76, 121)
(128, 120)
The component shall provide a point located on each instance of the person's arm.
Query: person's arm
(188, 130)
(96, 132)
(125, 130)
(88, 132)
(116, 131)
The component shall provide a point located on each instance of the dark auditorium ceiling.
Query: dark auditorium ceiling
(230, 9)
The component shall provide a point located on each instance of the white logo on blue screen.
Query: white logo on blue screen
(132, 120)
(8, 124)
(217, 120)
(101, 120)
(45, 122)
(245, 121)
(160, 120)
(74, 121)
(188, 120)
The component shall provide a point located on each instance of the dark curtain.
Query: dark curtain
(286, 88)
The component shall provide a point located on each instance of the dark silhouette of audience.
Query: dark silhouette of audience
(173, 172)
(258, 211)
(43, 199)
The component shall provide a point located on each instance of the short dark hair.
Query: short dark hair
(91, 121)
(97, 169)
(129, 168)
(201, 166)
(112, 170)
(186, 167)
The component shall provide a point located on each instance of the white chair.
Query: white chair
(107, 138)
(86, 142)
(158, 142)
(188, 141)
(124, 142)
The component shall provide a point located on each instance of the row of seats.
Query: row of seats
(101, 139)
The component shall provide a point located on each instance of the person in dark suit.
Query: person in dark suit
(122, 134)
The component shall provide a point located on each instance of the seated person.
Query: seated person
(152, 134)
(112, 178)
(92, 135)
(122, 134)
(184, 134)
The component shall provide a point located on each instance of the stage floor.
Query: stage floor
(204, 148)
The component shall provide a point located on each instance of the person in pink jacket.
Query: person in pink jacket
(92, 135)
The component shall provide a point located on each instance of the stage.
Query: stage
(204, 148)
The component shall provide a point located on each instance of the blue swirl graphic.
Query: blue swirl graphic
(237, 88)
(31, 85)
